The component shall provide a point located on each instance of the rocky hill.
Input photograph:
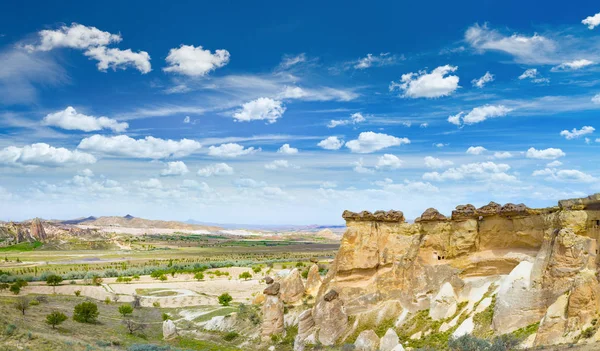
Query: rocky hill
(494, 270)
(129, 221)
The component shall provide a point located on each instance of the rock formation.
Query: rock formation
(272, 312)
(313, 281)
(169, 330)
(292, 287)
(37, 230)
(521, 266)
(367, 341)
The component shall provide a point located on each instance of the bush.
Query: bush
(77, 293)
(86, 312)
(199, 276)
(230, 336)
(96, 280)
(34, 303)
(55, 318)
(125, 310)
(225, 299)
(165, 317)
(245, 275)
(15, 289)
(10, 329)
(250, 313)
(156, 304)
(54, 280)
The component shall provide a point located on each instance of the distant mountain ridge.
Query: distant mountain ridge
(130, 221)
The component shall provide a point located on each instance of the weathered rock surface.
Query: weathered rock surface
(431, 214)
(169, 330)
(444, 304)
(313, 281)
(37, 230)
(272, 311)
(292, 287)
(389, 341)
(367, 341)
(330, 317)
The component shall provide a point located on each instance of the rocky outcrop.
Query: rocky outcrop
(313, 281)
(367, 341)
(272, 311)
(292, 287)
(389, 341)
(521, 266)
(169, 330)
(306, 330)
(37, 230)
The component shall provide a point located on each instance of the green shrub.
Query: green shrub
(125, 310)
(245, 275)
(10, 329)
(86, 312)
(55, 318)
(230, 336)
(225, 299)
(77, 293)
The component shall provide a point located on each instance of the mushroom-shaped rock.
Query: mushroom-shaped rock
(367, 340)
(444, 303)
(330, 318)
(306, 329)
(331, 295)
(272, 289)
(512, 209)
(389, 341)
(269, 280)
(313, 281)
(292, 288)
(383, 216)
(490, 209)
(273, 318)
(464, 211)
(37, 230)
(431, 214)
(169, 330)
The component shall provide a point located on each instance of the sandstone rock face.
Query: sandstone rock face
(367, 341)
(389, 341)
(169, 330)
(292, 288)
(306, 330)
(37, 230)
(313, 281)
(272, 311)
(526, 264)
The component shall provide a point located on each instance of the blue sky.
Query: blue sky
(290, 113)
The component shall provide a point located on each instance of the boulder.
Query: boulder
(269, 280)
(330, 295)
(169, 330)
(292, 288)
(490, 209)
(389, 341)
(272, 289)
(367, 340)
(431, 214)
(313, 281)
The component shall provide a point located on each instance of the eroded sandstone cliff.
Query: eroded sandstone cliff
(488, 271)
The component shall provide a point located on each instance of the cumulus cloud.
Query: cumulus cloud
(187, 119)
(592, 21)
(215, 169)
(41, 154)
(596, 99)
(76, 36)
(525, 49)
(481, 82)
(407, 186)
(388, 161)
(533, 75)
(149, 147)
(354, 119)
(576, 133)
(502, 155)
(438, 83)
(278, 164)
(554, 164)
(479, 114)
(117, 58)
(484, 171)
(248, 183)
(368, 142)
(176, 168)
(286, 149)
(359, 167)
(71, 120)
(565, 175)
(572, 65)
(231, 150)
(331, 143)
(436, 163)
(383, 59)
(195, 61)
(545, 154)
(476, 150)
(260, 109)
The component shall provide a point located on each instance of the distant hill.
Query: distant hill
(270, 227)
(130, 221)
(79, 220)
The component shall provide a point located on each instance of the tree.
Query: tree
(22, 304)
(15, 288)
(77, 293)
(245, 275)
(125, 310)
(4, 286)
(133, 326)
(55, 318)
(225, 299)
(199, 276)
(86, 312)
(96, 280)
(54, 280)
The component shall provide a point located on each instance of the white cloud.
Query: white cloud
(576, 133)
(565, 175)
(317, 94)
(503, 155)
(525, 49)
(359, 167)
(260, 109)
(176, 168)
(117, 58)
(42, 154)
(572, 65)
(368, 142)
(545, 154)
(407, 186)
(194, 185)
(249, 183)
(149, 184)
(278, 164)
(286, 149)
(354, 119)
(592, 21)
(481, 82)
(533, 75)
(329, 185)
(231, 150)
(476, 150)
(86, 173)
(554, 164)
(383, 59)
(187, 119)
(331, 143)
(76, 36)
(484, 171)
(479, 114)
(424, 125)
(388, 161)
(195, 61)
(289, 61)
(215, 169)
(149, 147)
(596, 99)
(428, 85)
(436, 163)
(71, 120)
